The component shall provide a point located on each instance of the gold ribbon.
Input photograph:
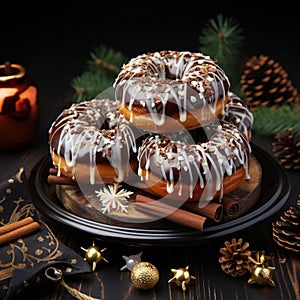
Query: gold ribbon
(55, 274)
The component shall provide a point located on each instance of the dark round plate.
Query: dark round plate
(274, 194)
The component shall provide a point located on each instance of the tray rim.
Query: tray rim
(164, 236)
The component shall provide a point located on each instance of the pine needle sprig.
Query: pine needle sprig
(107, 59)
(268, 121)
(221, 39)
(102, 68)
(88, 85)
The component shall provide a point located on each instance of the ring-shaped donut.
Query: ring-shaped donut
(188, 88)
(237, 112)
(92, 139)
(195, 172)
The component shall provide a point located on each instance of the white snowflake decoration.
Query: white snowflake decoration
(111, 198)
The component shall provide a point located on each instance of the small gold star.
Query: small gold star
(261, 273)
(93, 255)
(181, 277)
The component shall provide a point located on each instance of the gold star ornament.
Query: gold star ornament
(93, 255)
(261, 273)
(181, 277)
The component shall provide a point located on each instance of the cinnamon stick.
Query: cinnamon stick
(18, 229)
(231, 207)
(12, 226)
(213, 211)
(53, 171)
(53, 179)
(179, 216)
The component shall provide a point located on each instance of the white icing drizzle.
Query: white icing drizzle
(81, 137)
(198, 82)
(205, 164)
(237, 112)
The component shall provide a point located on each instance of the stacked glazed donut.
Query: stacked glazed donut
(91, 142)
(174, 124)
(162, 90)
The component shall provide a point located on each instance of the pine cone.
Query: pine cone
(286, 230)
(286, 148)
(265, 83)
(235, 261)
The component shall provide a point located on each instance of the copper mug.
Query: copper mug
(19, 113)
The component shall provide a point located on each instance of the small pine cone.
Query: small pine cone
(235, 259)
(265, 83)
(286, 148)
(286, 230)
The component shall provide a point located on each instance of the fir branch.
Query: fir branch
(268, 121)
(107, 59)
(221, 39)
(89, 84)
(101, 71)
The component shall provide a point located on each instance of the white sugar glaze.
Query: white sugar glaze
(191, 80)
(205, 163)
(237, 112)
(88, 129)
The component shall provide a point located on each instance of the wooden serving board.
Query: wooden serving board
(85, 203)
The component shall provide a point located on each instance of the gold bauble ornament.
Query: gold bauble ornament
(144, 275)
(93, 255)
(181, 277)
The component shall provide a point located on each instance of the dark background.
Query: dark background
(53, 40)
